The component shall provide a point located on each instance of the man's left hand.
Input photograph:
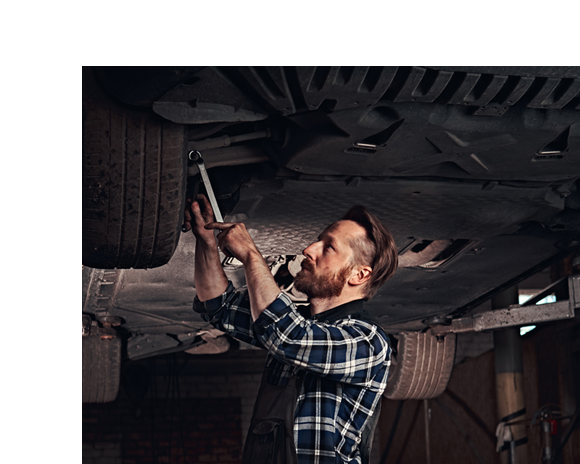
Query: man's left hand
(234, 240)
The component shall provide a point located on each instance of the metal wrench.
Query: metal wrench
(195, 155)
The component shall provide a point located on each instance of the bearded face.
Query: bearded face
(316, 285)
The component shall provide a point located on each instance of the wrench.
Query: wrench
(195, 155)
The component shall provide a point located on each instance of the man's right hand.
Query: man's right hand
(234, 239)
(210, 279)
(197, 214)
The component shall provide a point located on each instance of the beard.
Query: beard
(321, 286)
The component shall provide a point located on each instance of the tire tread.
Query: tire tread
(134, 181)
(422, 367)
(101, 369)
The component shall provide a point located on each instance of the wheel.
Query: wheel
(101, 369)
(421, 367)
(134, 183)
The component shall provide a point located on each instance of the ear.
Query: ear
(360, 275)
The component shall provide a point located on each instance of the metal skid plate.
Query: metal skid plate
(289, 215)
(286, 216)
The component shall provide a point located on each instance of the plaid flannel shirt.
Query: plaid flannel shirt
(344, 365)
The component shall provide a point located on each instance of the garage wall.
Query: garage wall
(471, 393)
(464, 418)
(193, 409)
(187, 430)
(179, 408)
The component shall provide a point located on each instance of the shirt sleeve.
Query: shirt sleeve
(230, 313)
(348, 351)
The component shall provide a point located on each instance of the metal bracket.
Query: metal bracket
(86, 325)
(518, 315)
(92, 328)
(102, 288)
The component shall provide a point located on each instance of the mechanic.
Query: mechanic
(327, 362)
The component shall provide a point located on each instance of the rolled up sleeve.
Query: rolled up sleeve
(348, 351)
(230, 313)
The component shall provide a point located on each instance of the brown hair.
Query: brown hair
(377, 249)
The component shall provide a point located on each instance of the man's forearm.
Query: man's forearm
(234, 237)
(262, 288)
(210, 279)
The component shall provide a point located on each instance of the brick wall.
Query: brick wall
(187, 430)
(177, 409)
(243, 387)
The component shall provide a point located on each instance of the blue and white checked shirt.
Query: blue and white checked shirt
(345, 363)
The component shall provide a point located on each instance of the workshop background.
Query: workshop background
(181, 408)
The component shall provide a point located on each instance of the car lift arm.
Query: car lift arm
(517, 315)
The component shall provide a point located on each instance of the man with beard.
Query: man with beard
(328, 362)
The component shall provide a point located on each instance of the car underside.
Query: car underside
(474, 170)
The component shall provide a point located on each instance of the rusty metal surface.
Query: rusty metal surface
(517, 315)
(510, 317)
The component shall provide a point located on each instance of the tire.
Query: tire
(422, 366)
(101, 369)
(134, 183)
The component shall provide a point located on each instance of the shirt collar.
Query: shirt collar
(334, 314)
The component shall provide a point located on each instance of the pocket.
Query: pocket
(266, 443)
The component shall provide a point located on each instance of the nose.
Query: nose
(310, 252)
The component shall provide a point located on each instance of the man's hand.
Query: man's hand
(210, 279)
(234, 240)
(197, 214)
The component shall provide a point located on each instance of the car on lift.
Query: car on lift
(474, 170)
